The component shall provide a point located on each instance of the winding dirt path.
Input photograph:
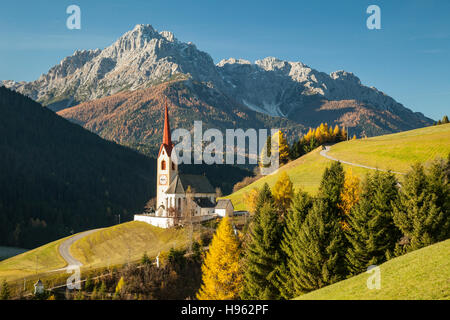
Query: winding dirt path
(324, 152)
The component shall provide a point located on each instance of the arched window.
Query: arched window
(173, 166)
(179, 203)
(163, 165)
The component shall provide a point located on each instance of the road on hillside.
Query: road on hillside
(64, 248)
(324, 152)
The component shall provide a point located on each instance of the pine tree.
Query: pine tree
(422, 210)
(288, 275)
(102, 290)
(445, 119)
(282, 193)
(264, 195)
(321, 249)
(262, 256)
(372, 234)
(332, 185)
(145, 260)
(5, 293)
(221, 270)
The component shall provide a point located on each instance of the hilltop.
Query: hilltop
(396, 152)
(421, 274)
(105, 248)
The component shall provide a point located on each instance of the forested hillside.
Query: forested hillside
(57, 178)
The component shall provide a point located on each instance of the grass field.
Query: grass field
(34, 262)
(395, 152)
(109, 247)
(127, 242)
(421, 274)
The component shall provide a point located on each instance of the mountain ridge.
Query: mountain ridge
(143, 58)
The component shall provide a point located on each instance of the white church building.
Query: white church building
(180, 198)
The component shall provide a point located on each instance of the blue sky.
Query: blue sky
(409, 58)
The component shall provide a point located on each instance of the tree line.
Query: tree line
(296, 243)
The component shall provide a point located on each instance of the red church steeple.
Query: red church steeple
(167, 140)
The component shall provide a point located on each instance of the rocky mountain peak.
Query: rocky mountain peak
(144, 57)
(345, 76)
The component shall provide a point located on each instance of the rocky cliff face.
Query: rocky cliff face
(144, 58)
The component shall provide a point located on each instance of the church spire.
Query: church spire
(166, 138)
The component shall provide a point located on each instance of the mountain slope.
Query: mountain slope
(143, 58)
(135, 117)
(57, 177)
(395, 152)
(421, 274)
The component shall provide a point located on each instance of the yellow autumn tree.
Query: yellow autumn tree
(120, 286)
(221, 270)
(350, 194)
(283, 147)
(283, 192)
(250, 198)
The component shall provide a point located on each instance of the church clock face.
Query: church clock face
(163, 179)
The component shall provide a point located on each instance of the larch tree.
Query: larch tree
(283, 147)
(221, 270)
(282, 192)
(349, 196)
(250, 198)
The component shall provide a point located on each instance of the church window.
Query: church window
(163, 165)
(173, 166)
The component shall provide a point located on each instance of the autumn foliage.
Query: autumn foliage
(221, 270)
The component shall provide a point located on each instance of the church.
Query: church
(181, 198)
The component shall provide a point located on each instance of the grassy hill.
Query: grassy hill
(127, 242)
(107, 247)
(33, 263)
(421, 274)
(394, 151)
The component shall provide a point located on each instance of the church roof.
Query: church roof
(198, 184)
(223, 203)
(204, 202)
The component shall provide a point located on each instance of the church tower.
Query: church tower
(167, 169)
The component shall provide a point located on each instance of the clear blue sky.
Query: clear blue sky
(409, 58)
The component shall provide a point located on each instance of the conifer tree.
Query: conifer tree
(332, 185)
(422, 210)
(5, 293)
(350, 193)
(221, 270)
(282, 193)
(264, 195)
(250, 199)
(288, 275)
(321, 249)
(262, 255)
(283, 147)
(372, 234)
